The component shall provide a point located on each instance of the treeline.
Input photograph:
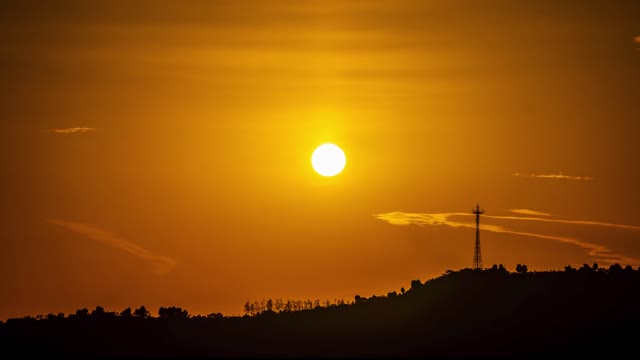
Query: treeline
(99, 313)
(494, 312)
(279, 305)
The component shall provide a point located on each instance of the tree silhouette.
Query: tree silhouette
(415, 284)
(141, 312)
(172, 313)
(279, 305)
(126, 313)
(615, 269)
(98, 313)
(82, 313)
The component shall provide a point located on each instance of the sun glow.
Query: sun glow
(328, 160)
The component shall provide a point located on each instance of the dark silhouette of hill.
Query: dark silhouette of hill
(468, 313)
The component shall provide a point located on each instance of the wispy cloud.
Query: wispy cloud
(161, 264)
(571, 222)
(528, 212)
(73, 130)
(555, 176)
(599, 253)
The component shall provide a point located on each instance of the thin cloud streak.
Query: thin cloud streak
(600, 253)
(73, 130)
(572, 222)
(555, 176)
(528, 212)
(161, 264)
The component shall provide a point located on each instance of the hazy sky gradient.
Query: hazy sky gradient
(186, 128)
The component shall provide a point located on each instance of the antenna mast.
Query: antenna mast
(477, 257)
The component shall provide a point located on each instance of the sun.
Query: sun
(328, 160)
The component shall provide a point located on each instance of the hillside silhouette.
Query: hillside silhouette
(467, 313)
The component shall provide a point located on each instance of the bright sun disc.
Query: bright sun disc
(328, 160)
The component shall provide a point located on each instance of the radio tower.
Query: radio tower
(477, 258)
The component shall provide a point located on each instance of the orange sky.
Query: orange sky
(157, 153)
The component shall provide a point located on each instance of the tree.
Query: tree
(98, 313)
(269, 305)
(415, 284)
(521, 269)
(126, 313)
(172, 313)
(402, 290)
(82, 313)
(615, 269)
(256, 307)
(585, 268)
(141, 312)
(279, 305)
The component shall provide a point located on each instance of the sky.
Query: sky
(158, 153)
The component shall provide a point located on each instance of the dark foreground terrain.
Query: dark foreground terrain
(476, 313)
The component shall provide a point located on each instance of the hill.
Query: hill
(467, 313)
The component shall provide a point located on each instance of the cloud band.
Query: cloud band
(600, 253)
(73, 130)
